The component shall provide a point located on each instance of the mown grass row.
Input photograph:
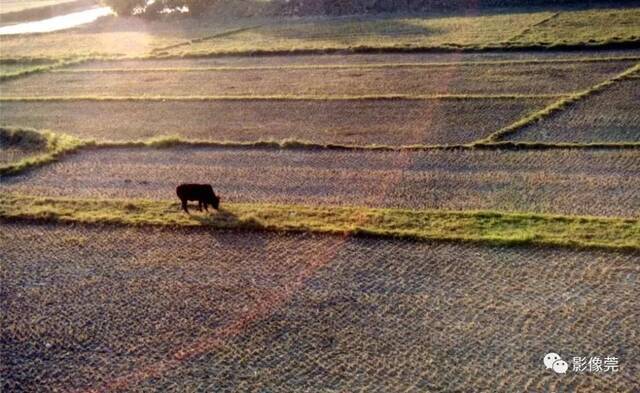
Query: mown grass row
(473, 226)
(559, 105)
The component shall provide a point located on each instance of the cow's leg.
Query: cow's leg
(205, 207)
(184, 205)
(199, 205)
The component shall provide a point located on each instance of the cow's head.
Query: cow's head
(215, 201)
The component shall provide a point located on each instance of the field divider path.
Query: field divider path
(559, 106)
(225, 33)
(488, 227)
(59, 145)
(368, 97)
(41, 69)
(526, 31)
(350, 66)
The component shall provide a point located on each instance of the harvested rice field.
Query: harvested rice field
(579, 182)
(359, 122)
(425, 201)
(380, 59)
(112, 308)
(510, 79)
(612, 115)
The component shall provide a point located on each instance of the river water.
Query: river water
(57, 23)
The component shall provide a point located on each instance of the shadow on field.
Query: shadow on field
(223, 218)
(343, 30)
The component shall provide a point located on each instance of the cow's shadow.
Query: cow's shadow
(224, 219)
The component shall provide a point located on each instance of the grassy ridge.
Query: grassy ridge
(367, 97)
(57, 145)
(38, 69)
(488, 227)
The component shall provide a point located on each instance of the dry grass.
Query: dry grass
(585, 182)
(611, 115)
(591, 26)
(135, 38)
(108, 307)
(22, 149)
(371, 33)
(357, 122)
(16, 145)
(509, 79)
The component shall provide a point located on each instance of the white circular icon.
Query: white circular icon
(560, 366)
(550, 358)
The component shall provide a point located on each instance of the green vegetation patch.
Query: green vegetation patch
(491, 227)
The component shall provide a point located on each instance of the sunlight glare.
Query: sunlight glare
(57, 23)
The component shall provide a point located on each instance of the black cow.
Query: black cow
(203, 193)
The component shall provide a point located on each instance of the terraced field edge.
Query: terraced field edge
(36, 69)
(450, 48)
(472, 226)
(51, 145)
(284, 97)
(445, 48)
(57, 145)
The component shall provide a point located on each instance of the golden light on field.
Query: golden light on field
(58, 23)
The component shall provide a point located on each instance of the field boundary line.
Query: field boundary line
(205, 38)
(506, 47)
(489, 227)
(357, 66)
(530, 28)
(39, 69)
(57, 145)
(558, 106)
(444, 48)
(370, 97)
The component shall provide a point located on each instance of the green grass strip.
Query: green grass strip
(380, 97)
(356, 66)
(474, 226)
(559, 105)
